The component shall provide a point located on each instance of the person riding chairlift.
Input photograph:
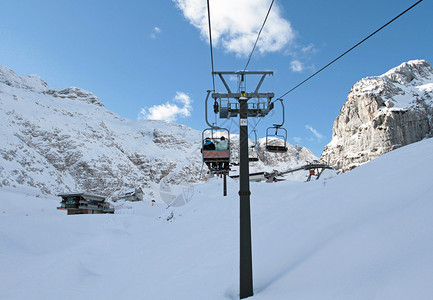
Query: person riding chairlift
(208, 145)
(222, 145)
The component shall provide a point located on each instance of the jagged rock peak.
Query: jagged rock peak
(383, 113)
(388, 85)
(29, 82)
(410, 72)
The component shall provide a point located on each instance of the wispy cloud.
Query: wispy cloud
(296, 66)
(170, 110)
(155, 32)
(235, 24)
(310, 49)
(314, 131)
(301, 57)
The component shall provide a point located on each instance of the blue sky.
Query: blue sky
(154, 55)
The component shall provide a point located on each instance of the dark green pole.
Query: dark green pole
(246, 265)
(225, 184)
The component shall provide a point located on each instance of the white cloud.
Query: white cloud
(310, 49)
(169, 111)
(235, 24)
(296, 66)
(156, 30)
(314, 131)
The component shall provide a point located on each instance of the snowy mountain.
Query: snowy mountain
(62, 140)
(383, 113)
(327, 239)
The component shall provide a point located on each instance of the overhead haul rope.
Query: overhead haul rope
(210, 43)
(211, 56)
(251, 54)
(395, 18)
(258, 35)
(255, 125)
(252, 51)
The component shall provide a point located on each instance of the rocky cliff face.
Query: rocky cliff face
(62, 140)
(383, 113)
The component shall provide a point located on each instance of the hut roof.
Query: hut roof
(85, 195)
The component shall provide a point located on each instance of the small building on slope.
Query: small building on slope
(135, 194)
(84, 203)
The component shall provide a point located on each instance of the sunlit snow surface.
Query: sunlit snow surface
(365, 234)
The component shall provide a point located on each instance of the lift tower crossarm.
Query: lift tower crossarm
(244, 72)
(247, 95)
(263, 73)
(223, 81)
(260, 83)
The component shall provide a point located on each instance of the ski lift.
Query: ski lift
(276, 142)
(216, 149)
(228, 109)
(215, 146)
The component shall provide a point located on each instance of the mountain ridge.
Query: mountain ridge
(59, 140)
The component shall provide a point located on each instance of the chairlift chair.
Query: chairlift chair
(280, 133)
(217, 160)
(253, 157)
(273, 145)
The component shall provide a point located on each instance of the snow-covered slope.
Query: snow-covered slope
(383, 113)
(61, 140)
(366, 234)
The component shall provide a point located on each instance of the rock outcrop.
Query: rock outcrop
(382, 113)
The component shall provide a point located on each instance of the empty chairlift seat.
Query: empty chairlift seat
(276, 142)
(276, 149)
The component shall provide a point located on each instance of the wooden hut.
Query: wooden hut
(84, 203)
(133, 195)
